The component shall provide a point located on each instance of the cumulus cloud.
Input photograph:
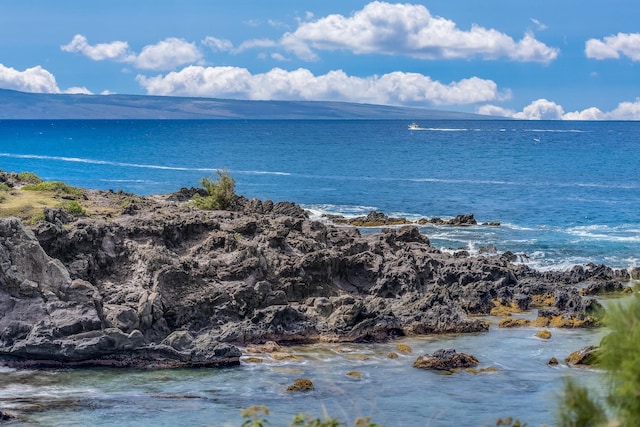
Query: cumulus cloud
(542, 109)
(114, 51)
(167, 55)
(218, 45)
(35, 79)
(397, 88)
(613, 46)
(406, 29)
(164, 55)
(76, 90)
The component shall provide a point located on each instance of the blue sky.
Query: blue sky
(561, 59)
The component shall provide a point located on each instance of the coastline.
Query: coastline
(154, 282)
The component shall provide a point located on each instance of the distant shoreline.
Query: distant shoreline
(35, 106)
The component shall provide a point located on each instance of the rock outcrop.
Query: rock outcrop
(446, 360)
(165, 284)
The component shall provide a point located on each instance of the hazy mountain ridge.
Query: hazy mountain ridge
(22, 105)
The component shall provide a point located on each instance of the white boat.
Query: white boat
(414, 126)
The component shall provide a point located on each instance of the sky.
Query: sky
(526, 59)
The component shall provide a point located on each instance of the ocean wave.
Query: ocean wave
(133, 165)
(556, 130)
(348, 211)
(446, 129)
(134, 181)
(263, 173)
(619, 234)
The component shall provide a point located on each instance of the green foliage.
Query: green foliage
(55, 187)
(4, 187)
(220, 192)
(74, 207)
(29, 178)
(254, 413)
(301, 420)
(510, 422)
(579, 408)
(620, 358)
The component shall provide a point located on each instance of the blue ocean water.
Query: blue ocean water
(564, 192)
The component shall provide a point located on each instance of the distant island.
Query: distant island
(22, 105)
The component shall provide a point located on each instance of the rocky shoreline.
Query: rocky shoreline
(155, 282)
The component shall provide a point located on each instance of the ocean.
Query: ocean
(564, 193)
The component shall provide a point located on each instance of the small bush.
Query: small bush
(4, 187)
(220, 192)
(620, 358)
(74, 208)
(29, 178)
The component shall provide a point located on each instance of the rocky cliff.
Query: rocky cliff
(163, 284)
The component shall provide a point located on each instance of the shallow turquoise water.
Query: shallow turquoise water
(390, 391)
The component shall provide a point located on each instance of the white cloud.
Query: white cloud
(396, 88)
(278, 57)
(543, 109)
(406, 29)
(539, 25)
(35, 79)
(613, 46)
(494, 110)
(167, 55)
(78, 91)
(253, 43)
(540, 109)
(115, 51)
(218, 45)
(591, 113)
(625, 111)
(164, 55)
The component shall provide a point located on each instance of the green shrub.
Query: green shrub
(620, 358)
(74, 207)
(220, 192)
(56, 187)
(4, 187)
(579, 407)
(29, 178)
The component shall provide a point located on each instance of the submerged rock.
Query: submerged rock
(301, 384)
(446, 360)
(585, 356)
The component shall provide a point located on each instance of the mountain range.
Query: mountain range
(23, 105)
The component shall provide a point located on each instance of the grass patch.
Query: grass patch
(26, 204)
(56, 187)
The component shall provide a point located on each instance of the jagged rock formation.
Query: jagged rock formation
(164, 284)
